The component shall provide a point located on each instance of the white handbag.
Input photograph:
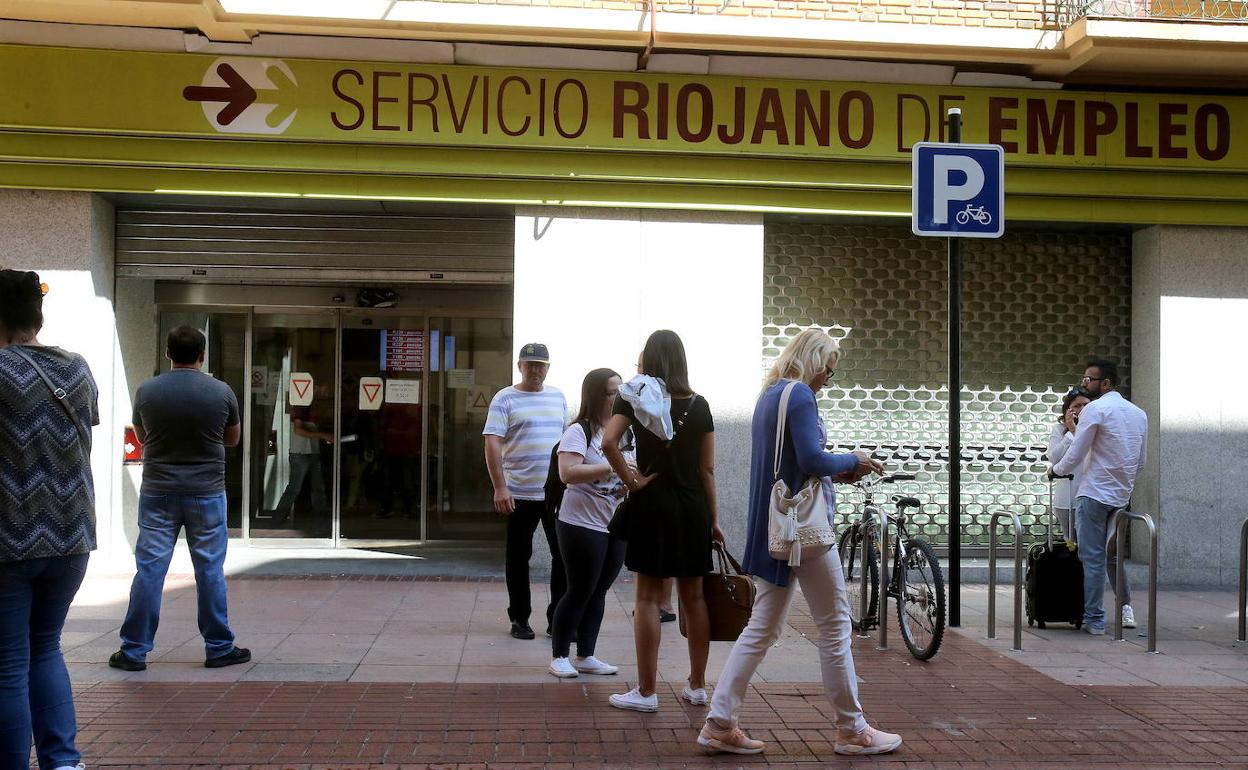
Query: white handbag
(798, 521)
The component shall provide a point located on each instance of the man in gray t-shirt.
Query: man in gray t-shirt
(185, 419)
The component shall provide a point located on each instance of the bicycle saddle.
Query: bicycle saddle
(906, 502)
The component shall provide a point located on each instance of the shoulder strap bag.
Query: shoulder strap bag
(618, 527)
(729, 594)
(60, 397)
(799, 520)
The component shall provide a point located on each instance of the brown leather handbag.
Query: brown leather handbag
(729, 594)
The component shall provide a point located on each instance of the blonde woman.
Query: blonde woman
(809, 359)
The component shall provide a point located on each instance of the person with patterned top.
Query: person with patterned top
(48, 404)
(525, 422)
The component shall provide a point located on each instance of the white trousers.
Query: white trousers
(823, 585)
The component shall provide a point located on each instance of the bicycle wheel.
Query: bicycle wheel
(921, 600)
(850, 551)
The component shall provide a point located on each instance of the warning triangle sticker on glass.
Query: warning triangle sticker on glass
(372, 393)
(301, 389)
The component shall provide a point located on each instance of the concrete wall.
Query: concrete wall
(593, 285)
(1191, 310)
(67, 237)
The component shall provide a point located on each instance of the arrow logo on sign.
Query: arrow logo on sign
(237, 94)
(370, 391)
(301, 386)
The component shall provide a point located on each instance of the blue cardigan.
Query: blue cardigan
(801, 457)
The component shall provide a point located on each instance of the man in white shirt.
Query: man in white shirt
(525, 422)
(1111, 435)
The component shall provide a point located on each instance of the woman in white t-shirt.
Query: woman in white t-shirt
(1060, 439)
(591, 557)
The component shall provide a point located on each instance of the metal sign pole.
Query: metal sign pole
(955, 408)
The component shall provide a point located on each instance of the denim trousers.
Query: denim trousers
(823, 585)
(160, 519)
(35, 695)
(304, 469)
(1099, 559)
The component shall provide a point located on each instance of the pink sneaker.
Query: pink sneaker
(733, 740)
(869, 741)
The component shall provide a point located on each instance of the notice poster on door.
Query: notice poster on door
(371, 393)
(402, 391)
(461, 378)
(263, 386)
(300, 389)
(402, 350)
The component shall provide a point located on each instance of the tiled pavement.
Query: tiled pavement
(360, 674)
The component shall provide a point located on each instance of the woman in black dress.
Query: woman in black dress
(671, 517)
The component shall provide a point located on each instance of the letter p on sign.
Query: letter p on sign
(958, 190)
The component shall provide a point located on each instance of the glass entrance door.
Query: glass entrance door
(364, 426)
(382, 446)
(293, 425)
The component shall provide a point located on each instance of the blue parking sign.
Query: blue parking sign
(958, 190)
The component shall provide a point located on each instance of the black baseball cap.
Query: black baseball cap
(535, 351)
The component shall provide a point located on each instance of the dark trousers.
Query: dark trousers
(521, 524)
(593, 560)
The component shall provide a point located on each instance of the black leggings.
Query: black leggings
(592, 560)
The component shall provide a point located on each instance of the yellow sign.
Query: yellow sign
(180, 95)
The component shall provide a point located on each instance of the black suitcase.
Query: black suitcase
(1054, 585)
(1054, 581)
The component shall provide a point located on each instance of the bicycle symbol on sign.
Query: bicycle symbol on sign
(978, 213)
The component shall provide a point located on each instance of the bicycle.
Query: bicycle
(917, 581)
(978, 213)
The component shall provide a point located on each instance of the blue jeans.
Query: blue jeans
(1092, 524)
(160, 519)
(35, 696)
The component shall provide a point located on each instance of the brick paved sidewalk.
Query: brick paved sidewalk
(355, 674)
(971, 708)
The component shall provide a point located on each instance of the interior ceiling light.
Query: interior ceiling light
(321, 9)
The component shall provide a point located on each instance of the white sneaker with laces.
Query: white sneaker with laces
(696, 697)
(633, 700)
(78, 766)
(592, 665)
(1128, 616)
(562, 668)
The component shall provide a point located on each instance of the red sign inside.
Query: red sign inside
(402, 350)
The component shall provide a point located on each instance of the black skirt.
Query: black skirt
(669, 531)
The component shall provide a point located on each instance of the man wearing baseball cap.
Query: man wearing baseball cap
(525, 421)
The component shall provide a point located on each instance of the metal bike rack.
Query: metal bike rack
(1120, 537)
(882, 586)
(884, 580)
(1018, 577)
(1243, 581)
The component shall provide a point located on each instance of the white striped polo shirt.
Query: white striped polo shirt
(530, 425)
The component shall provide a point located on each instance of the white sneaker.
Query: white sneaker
(1128, 616)
(562, 668)
(78, 766)
(633, 700)
(592, 665)
(696, 697)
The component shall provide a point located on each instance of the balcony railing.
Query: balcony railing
(1067, 12)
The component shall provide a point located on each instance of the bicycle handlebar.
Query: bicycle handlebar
(865, 483)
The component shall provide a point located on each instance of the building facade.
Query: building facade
(583, 173)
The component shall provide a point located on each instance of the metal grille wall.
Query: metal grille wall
(260, 245)
(1036, 305)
